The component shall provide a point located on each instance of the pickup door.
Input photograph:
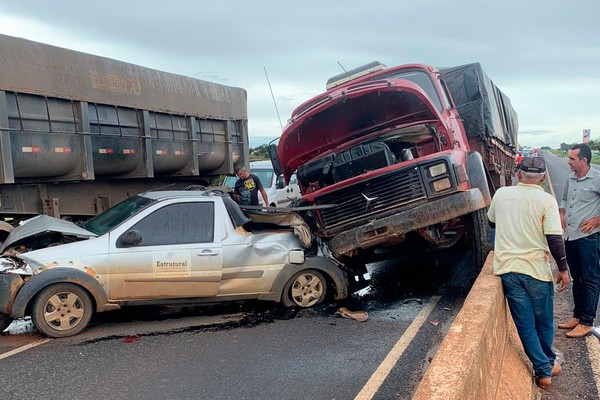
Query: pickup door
(170, 253)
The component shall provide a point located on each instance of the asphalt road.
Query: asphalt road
(579, 357)
(252, 350)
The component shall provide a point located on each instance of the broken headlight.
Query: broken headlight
(12, 265)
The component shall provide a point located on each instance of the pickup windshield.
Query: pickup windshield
(112, 217)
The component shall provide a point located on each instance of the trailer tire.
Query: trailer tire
(479, 233)
(5, 230)
(5, 321)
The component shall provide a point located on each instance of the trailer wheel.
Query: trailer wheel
(5, 321)
(479, 233)
(5, 230)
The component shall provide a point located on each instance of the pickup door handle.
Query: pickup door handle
(208, 253)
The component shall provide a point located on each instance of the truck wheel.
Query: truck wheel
(305, 289)
(5, 321)
(62, 310)
(479, 231)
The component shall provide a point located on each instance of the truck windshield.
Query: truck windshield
(421, 78)
(112, 217)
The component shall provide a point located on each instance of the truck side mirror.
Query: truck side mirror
(274, 158)
(280, 183)
(130, 238)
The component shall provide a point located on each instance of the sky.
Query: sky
(545, 55)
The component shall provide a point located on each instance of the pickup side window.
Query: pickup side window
(178, 224)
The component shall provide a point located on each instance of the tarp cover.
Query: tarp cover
(485, 110)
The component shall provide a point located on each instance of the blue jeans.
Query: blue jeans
(531, 305)
(583, 260)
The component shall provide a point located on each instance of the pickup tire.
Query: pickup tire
(62, 310)
(304, 289)
(5, 321)
(479, 233)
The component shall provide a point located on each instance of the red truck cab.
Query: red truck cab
(385, 148)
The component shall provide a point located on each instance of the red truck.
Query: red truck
(401, 158)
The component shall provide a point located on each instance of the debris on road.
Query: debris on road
(131, 338)
(360, 316)
(413, 299)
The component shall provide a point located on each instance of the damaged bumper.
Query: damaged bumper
(389, 229)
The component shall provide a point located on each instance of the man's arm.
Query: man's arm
(557, 249)
(263, 193)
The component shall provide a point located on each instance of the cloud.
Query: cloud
(542, 54)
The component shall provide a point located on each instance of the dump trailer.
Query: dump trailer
(79, 132)
(400, 159)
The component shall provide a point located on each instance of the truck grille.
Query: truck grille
(371, 198)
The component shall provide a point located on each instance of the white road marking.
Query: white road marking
(379, 376)
(22, 348)
(593, 346)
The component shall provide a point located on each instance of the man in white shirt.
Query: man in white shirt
(528, 230)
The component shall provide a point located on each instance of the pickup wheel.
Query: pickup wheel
(5, 321)
(62, 310)
(479, 245)
(305, 289)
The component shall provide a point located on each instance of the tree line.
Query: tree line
(594, 145)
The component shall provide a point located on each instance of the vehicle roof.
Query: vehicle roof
(178, 194)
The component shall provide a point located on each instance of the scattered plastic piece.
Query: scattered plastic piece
(435, 322)
(360, 316)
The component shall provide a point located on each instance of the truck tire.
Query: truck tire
(479, 233)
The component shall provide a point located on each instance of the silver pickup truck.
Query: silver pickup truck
(173, 247)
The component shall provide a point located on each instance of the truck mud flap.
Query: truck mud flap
(390, 229)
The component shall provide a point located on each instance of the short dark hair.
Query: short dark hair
(239, 168)
(584, 151)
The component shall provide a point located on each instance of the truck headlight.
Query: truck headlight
(442, 184)
(437, 170)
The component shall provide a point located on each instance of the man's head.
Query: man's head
(532, 170)
(242, 172)
(579, 159)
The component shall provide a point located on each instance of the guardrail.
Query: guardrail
(481, 356)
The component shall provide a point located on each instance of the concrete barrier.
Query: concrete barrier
(481, 356)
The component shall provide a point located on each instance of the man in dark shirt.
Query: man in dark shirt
(247, 187)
